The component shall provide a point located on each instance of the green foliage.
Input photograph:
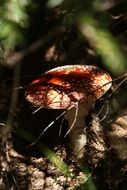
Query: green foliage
(91, 18)
(13, 19)
(53, 3)
(93, 21)
(55, 160)
(104, 44)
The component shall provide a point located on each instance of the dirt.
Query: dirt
(25, 166)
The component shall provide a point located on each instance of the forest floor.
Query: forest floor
(30, 167)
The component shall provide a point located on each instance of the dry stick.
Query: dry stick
(110, 96)
(107, 110)
(50, 126)
(118, 86)
(43, 106)
(118, 116)
(118, 78)
(60, 130)
(98, 121)
(125, 75)
(37, 110)
(122, 76)
(14, 96)
(10, 117)
(74, 104)
(76, 110)
(75, 113)
(75, 117)
(102, 107)
(97, 116)
(99, 112)
(18, 56)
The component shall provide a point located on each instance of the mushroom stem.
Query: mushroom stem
(77, 135)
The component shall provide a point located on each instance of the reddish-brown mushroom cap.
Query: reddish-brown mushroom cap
(59, 88)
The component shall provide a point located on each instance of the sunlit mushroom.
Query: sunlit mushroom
(74, 88)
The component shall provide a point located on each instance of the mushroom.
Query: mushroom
(74, 88)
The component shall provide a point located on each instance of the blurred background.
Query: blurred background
(36, 36)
